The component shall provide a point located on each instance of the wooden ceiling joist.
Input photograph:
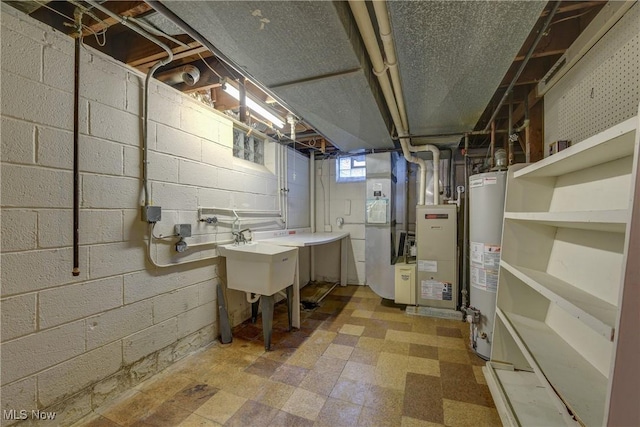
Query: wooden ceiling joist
(123, 8)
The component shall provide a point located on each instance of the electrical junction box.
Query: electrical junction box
(405, 283)
(151, 213)
(183, 230)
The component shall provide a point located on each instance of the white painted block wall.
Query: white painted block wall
(69, 343)
(339, 200)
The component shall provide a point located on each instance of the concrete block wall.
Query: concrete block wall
(339, 200)
(70, 343)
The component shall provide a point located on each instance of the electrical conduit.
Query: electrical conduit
(145, 109)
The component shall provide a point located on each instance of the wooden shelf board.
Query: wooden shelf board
(599, 315)
(578, 383)
(604, 220)
(524, 400)
(612, 144)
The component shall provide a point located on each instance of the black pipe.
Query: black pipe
(76, 172)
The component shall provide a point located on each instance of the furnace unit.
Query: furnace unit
(436, 239)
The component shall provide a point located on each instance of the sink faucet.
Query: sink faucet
(243, 238)
(239, 236)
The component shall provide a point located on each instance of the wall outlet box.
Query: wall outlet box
(151, 213)
(183, 230)
(327, 228)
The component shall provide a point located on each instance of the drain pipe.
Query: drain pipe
(393, 95)
(312, 212)
(361, 15)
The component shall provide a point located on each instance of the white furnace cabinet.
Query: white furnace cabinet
(566, 336)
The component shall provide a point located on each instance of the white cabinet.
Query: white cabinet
(565, 242)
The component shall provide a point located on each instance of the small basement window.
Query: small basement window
(351, 168)
(248, 147)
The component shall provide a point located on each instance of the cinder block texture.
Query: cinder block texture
(149, 340)
(115, 324)
(24, 356)
(18, 316)
(19, 230)
(71, 342)
(71, 302)
(79, 372)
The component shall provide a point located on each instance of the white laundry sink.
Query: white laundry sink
(260, 268)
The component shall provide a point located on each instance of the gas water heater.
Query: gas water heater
(436, 240)
(486, 210)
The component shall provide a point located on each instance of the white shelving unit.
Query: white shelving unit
(565, 243)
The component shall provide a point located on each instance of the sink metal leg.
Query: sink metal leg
(267, 319)
(290, 306)
(254, 311)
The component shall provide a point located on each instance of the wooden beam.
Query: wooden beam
(535, 133)
(146, 62)
(122, 8)
(578, 5)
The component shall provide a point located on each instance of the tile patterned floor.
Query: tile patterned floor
(353, 362)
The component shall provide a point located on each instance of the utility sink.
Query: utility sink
(260, 268)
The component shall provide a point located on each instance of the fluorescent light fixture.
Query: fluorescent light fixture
(255, 107)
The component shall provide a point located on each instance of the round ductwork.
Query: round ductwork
(187, 74)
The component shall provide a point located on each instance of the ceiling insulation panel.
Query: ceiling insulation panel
(346, 118)
(453, 55)
(308, 53)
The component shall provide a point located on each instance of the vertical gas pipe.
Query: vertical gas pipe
(76, 130)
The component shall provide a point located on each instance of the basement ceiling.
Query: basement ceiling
(456, 59)
(453, 55)
(309, 54)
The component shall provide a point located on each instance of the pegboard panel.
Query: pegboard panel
(601, 90)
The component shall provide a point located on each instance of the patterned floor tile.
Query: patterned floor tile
(285, 419)
(344, 339)
(221, 407)
(336, 412)
(263, 367)
(253, 414)
(461, 414)
(423, 398)
(305, 404)
(426, 351)
(289, 374)
(350, 391)
(275, 394)
(353, 362)
(195, 420)
(338, 351)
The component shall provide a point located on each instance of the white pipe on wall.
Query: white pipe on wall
(361, 15)
(312, 210)
(312, 191)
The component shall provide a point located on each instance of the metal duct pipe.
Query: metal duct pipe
(542, 31)
(361, 15)
(188, 75)
(436, 169)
